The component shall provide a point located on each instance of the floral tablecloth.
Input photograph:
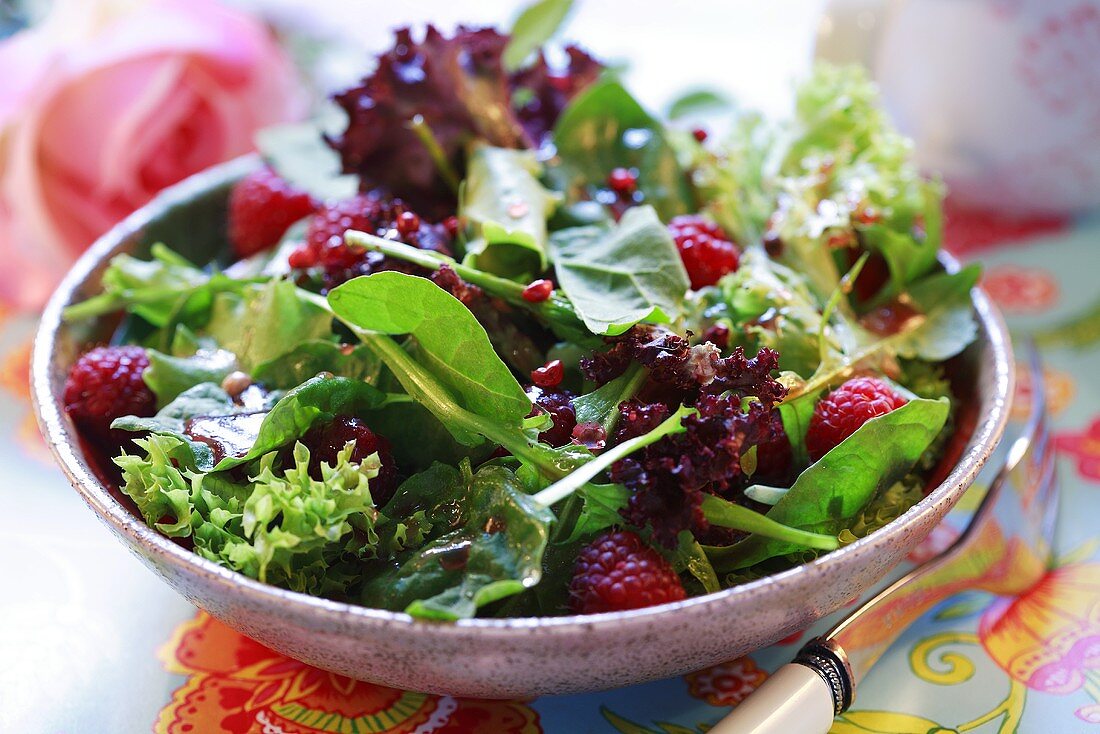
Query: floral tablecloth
(90, 641)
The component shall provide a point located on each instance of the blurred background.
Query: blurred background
(103, 102)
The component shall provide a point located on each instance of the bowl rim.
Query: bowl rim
(59, 434)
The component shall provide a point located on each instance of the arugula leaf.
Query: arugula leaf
(495, 552)
(618, 277)
(689, 556)
(834, 490)
(605, 128)
(602, 504)
(773, 303)
(507, 207)
(265, 322)
(312, 357)
(454, 347)
(536, 25)
(168, 376)
(160, 290)
(318, 399)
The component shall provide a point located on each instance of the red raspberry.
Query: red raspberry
(326, 441)
(106, 383)
(845, 409)
(325, 236)
(619, 571)
(262, 206)
(707, 251)
(372, 213)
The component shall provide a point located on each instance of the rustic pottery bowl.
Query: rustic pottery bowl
(491, 658)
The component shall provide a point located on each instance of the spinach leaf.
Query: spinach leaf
(419, 438)
(948, 324)
(618, 277)
(318, 399)
(602, 504)
(496, 552)
(313, 357)
(834, 490)
(266, 321)
(698, 101)
(605, 128)
(206, 399)
(454, 347)
(536, 25)
(507, 207)
(299, 154)
(168, 376)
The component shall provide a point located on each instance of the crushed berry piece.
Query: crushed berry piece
(623, 181)
(538, 291)
(549, 375)
(590, 435)
(558, 404)
(699, 134)
(408, 223)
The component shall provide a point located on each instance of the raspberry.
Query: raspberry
(845, 409)
(558, 405)
(372, 213)
(618, 571)
(326, 441)
(262, 206)
(106, 383)
(707, 251)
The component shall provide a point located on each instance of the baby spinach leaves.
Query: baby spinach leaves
(507, 207)
(830, 493)
(619, 276)
(495, 552)
(265, 322)
(605, 128)
(453, 346)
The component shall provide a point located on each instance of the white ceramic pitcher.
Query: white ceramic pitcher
(1001, 96)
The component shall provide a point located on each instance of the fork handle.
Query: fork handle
(794, 699)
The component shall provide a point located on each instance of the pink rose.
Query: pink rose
(107, 102)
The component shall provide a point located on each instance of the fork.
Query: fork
(1005, 549)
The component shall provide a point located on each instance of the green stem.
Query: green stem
(585, 473)
(555, 309)
(726, 514)
(423, 388)
(638, 376)
(842, 289)
(435, 150)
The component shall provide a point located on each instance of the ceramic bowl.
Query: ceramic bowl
(491, 658)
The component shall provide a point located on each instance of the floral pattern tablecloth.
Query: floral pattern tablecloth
(92, 642)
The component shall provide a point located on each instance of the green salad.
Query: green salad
(501, 342)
